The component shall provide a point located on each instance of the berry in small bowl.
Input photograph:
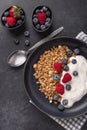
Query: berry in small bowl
(13, 17)
(42, 18)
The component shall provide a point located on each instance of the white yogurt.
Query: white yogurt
(78, 83)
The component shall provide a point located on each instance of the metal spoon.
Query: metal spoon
(18, 57)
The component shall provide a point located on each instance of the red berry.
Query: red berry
(67, 77)
(41, 17)
(58, 67)
(11, 13)
(15, 12)
(60, 89)
(11, 21)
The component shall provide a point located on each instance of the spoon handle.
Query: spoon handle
(53, 34)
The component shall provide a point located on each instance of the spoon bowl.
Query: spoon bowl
(17, 58)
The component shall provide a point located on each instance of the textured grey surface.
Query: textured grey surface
(15, 111)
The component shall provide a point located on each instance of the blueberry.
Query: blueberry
(69, 53)
(43, 27)
(64, 61)
(3, 18)
(44, 9)
(48, 13)
(65, 102)
(76, 51)
(34, 16)
(48, 19)
(38, 26)
(27, 42)
(35, 21)
(16, 41)
(19, 22)
(66, 68)
(56, 77)
(75, 73)
(47, 24)
(22, 17)
(74, 61)
(26, 33)
(6, 13)
(55, 97)
(21, 11)
(41, 10)
(68, 87)
(61, 107)
(6, 25)
(37, 11)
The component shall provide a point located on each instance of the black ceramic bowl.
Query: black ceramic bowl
(37, 26)
(16, 26)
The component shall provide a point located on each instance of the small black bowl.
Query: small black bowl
(37, 10)
(16, 26)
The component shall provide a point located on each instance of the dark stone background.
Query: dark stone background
(15, 111)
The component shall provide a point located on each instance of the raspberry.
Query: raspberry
(41, 17)
(11, 21)
(67, 77)
(60, 89)
(58, 67)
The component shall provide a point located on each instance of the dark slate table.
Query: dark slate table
(15, 111)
